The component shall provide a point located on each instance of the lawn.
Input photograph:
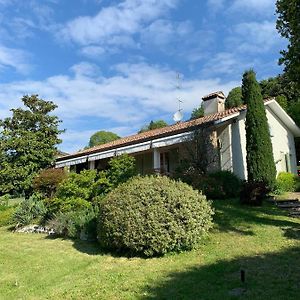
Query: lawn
(262, 241)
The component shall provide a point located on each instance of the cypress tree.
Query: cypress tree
(260, 160)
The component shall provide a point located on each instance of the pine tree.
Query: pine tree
(260, 160)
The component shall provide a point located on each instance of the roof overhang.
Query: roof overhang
(284, 117)
(135, 148)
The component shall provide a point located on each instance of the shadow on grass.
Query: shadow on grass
(268, 276)
(230, 216)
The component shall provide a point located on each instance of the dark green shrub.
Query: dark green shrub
(6, 215)
(217, 185)
(32, 209)
(286, 182)
(152, 216)
(229, 182)
(253, 193)
(76, 224)
(47, 181)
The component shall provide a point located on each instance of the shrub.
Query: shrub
(47, 181)
(6, 215)
(4, 201)
(217, 185)
(121, 169)
(29, 210)
(229, 182)
(77, 185)
(76, 224)
(253, 193)
(286, 182)
(152, 216)
(64, 205)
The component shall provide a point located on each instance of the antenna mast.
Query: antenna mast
(177, 117)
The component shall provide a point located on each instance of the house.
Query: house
(159, 150)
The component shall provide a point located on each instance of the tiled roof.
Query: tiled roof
(157, 133)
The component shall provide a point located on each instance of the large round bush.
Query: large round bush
(152, 216)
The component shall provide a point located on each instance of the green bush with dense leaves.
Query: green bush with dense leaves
(77, 185)
(287, 182)
(29, 210)
(64, 205)
(152, 216)
(6, 215)
(217, 185)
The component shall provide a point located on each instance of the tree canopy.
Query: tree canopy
(197, 112)
(153, 125)
(102, 137)
(234, 98)
(288, 25)
(28, 143)
(260, 160)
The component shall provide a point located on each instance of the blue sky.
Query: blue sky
(112, 65)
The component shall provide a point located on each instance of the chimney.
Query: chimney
(213, 103)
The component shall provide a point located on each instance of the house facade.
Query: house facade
(161, 150)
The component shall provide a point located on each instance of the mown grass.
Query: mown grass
(262, 241)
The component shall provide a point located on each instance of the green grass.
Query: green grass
(263, 241)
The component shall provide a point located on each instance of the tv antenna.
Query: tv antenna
(178, 116)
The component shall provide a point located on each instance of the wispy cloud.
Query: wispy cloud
(135, 93)
(14, 58)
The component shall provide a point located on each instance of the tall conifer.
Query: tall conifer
(260, 160)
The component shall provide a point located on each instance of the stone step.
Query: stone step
(295, 214)
(287, 201)
(289, 205)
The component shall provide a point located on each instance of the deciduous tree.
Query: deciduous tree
(28, 141)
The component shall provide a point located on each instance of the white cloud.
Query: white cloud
(14, 58)
(260, 5)
(126, 18)
(256, 37)
(135, 94)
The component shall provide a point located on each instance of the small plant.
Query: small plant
(286, 182)
(47, 181)
(152, 216)
(76, 224)
(253, 193)
(29, 210)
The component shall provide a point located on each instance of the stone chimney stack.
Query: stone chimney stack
(213, 103)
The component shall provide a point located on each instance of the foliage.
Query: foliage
(76, 224)
(153, 125)
(153, 216)
(77, 185)
(199, 153)
(260, 161)
(121, 168)
(29, 210)
(6, 215)
(294, 111)
(197, 112)
(28, 144)
(102, 137)
(234, 98)
(253, 193)
(288, 26)
(217, 185)
(286, 182)
(229, 182)
(4, 200)
(48, 180)
(63, 205)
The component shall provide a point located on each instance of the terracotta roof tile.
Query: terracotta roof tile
(157, 133)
